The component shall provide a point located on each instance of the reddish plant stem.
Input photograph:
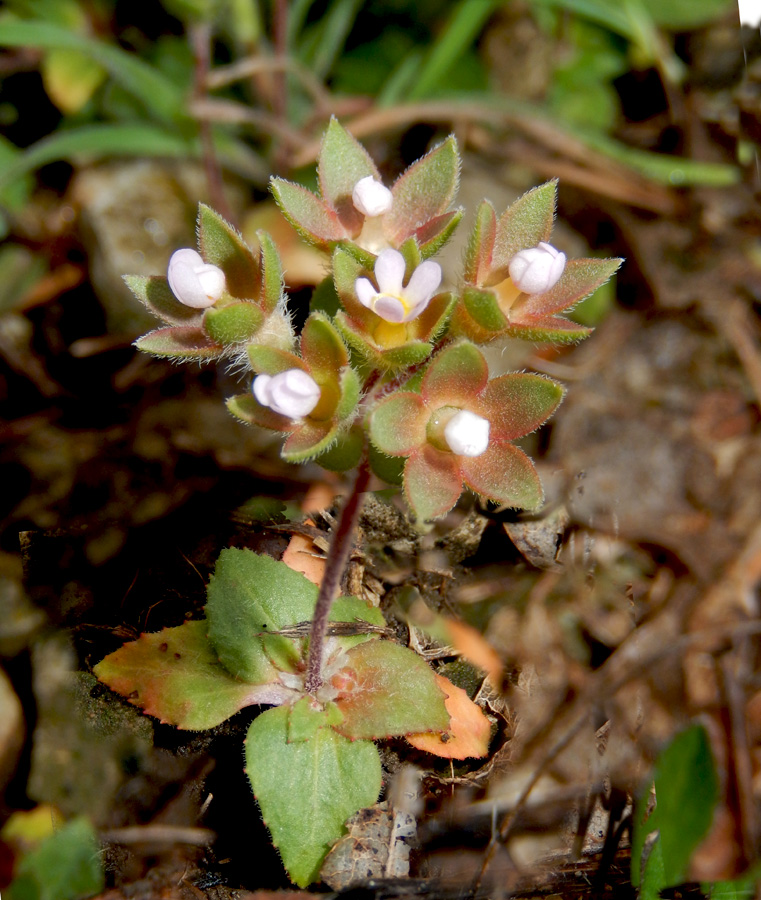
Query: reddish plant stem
(335, 564)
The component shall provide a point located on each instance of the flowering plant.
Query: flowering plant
(395, 375)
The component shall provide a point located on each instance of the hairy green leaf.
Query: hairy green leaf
(307, 789)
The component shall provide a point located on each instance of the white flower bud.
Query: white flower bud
(292, 393)
(467, 434)
(537, 269)
(371, 197)
(192, 281)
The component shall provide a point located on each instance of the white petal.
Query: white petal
(192, 281)
(293, 393)
(390, 308)
(537, 269)
(370, 197)
(260, 388)
(467, 434)
(415, 311)
(389, 271)
(423, 284)
(365, 291)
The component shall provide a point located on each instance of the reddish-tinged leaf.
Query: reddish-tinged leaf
(523, 224)
(222, 246)
(424, 191)
(308, 441)
(434, 318)
(308, 214)
(432, 482)
(469, 730)
(410, 354)
(246, 408)
(518, 403)
(432, 236)
(180, 342)
(397, 424)
(385, 690)
(580, 278)
(480, 244)
(552, 330)
(504, 474)
(455, 376)
(322, 348)
(343, 162)
(153, 291)
(346, 270)
(175, 675)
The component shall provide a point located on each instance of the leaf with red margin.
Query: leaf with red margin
(343, 162)
(504, 474)
(397, 424)
(469, 730)
(432, 482)
(154, 293)
(222, 246)
(518, 403)
(523, 224)
(179, 342)
(478, 252)
(176, 676)
(246, 408)
(424, 191)
(308, 214)
(580, 278)
(386, 690)
(553, 330)
(455, 376)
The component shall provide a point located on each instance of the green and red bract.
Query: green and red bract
(491, 306)
(248, 309)
(421, 199)
(410, 424)
(325, 358)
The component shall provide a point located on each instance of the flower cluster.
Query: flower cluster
(395, 372)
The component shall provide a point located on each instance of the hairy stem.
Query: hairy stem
(335, 564)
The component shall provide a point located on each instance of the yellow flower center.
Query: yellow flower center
(390, 334)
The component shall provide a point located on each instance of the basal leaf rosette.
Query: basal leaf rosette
(516, 283)
(311, 397)
(354, 208)
(392, 312)
(459, 431)
(216, 298)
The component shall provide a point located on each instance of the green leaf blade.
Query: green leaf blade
(307, 789)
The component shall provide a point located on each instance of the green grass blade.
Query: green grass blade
(97, 141)
(330, 36)
(463, 27)
(159, 95)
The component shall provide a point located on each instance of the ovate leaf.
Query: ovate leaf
(180, 342)
(385, 690)
(175, 675)
(308, 789)
(249, 595)
(222, 246)
(524, 224)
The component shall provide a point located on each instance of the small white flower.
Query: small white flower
(537, 269)
(391, 301)
(194, 282)
(467, 434)
(371, 197)
(292, 393)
